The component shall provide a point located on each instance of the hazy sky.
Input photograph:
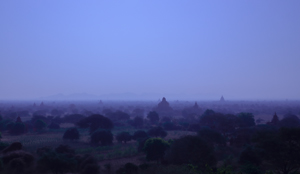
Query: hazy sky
(242, 49)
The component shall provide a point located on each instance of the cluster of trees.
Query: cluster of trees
(59, 160)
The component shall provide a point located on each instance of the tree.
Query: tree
(246, 119)
(17, 128)
(104, 136)
(249, 156)
(191, 150)
(290, 120)
(118, 115)
(140, 134)
(73, 118)
(71, 134)
(153, 117)
(211, 136)
(157, 132)
(95, 122)
(169, 126)
(155, 149)
(57, 163)
(138, 122)
(53, 126)
(123, 136)
(39, 124)
(280, 149)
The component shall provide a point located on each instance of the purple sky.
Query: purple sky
(242, 49)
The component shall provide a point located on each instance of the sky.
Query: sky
(241, 49)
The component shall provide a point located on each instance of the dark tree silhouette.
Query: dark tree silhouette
(17, 128)
(246, 119)
(155, 149)
(249, 156)
(73, 118)
(153, 117)
(191, 150)
(157, 132)
(39, 124)
(138, 122)
(53, 126)
(290, 121)
(280, 149)
(71, 134)
(103, 136)
(211, 136)
(123, 137)
(95, 122)
(140, 134)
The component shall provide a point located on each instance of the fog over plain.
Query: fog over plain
(244, 50)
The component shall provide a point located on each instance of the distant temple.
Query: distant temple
(222, 99)
(164, 105)
(275, 119)
(196, 106)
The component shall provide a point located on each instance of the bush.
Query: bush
(71, 134)
(104, 136)
(123, 136)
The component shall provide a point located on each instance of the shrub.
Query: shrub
(71, 134)
(95, 122)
